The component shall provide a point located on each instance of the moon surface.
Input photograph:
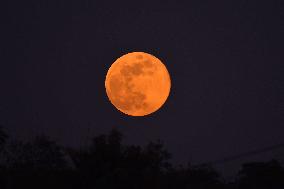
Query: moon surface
(138, 84)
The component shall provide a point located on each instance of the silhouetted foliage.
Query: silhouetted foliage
(114, 165)
(194, 177)
(108, 163)
(261, 175)
(40, 154)
(3, 138)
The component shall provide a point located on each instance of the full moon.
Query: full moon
(138, 84)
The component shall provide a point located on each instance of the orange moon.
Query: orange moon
(138, 84)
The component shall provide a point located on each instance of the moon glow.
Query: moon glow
(137, 84)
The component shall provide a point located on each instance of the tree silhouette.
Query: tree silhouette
(108, 163)
(261, 175)
(98, 161)
(193, 178)
(3, 138)
(40, 154)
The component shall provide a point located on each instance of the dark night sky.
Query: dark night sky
(224, 57)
